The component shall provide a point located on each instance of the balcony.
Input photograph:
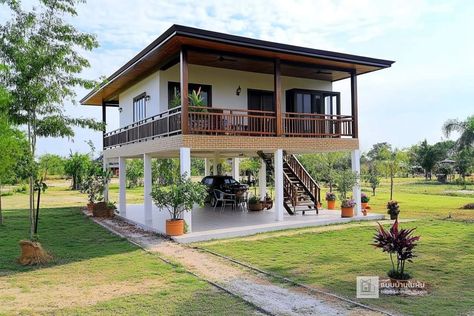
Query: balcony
(232, 122)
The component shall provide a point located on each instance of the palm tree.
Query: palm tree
(465, 129)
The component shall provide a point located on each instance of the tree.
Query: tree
(427, 158)
(77, 166)
(464, 163)
(324, 167)
(372, 175)
(378, 151)
(41, 52)
(465, 130)
(165, 171)
(393, 160)
(345, 180)
(197, 167)
(134, 173)
(50, 164)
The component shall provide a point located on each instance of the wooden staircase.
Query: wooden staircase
(301, 192)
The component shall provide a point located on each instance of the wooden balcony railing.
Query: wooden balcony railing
(164, 124)
(216, 121)
(235, 122)
(317, 125)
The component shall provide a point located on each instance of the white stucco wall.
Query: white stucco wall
(224, 83)
(150, 85)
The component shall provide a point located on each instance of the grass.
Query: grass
(331, 257)
(93, 271)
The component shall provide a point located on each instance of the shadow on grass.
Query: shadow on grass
(64, 232)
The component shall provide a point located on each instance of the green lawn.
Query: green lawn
(332, 257)
(94, 272)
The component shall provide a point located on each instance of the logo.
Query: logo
(367, 287)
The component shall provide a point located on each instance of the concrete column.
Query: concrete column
(214, 166)
(355, 160)
(185, 169)
(236, 168)
(106, 187)
(279, 199)
(122, 186)
(207, 165)
(262, 179)
(147, 182)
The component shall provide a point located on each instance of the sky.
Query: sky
(431, 43)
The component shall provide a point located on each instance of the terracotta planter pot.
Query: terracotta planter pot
(101, 209)
(365, 205)
(347, 211)
(174, 227)
(90, 207)
(256, 206)
(331, 205)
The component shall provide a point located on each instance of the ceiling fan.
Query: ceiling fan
(222, 58)
(320, 72)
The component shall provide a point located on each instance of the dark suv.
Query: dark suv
(223, 183)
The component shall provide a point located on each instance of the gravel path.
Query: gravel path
(251, 286)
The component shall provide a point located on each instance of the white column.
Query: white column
(185, 169)
(106, 187)
(355, 160)
(279, 199)
(236, 168)
(262, 179)
(214, 166)
(206, 167)
(122, 186)
(147, 183)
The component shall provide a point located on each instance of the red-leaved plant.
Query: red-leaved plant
(399, 243)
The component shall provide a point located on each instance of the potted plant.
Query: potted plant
(268, 202)
(347, 207)
(255, 203)
(94, 185)
(393, 209)
(364, 200)
(331, 199)
(178, 198)
(399, 244)
(345, 181)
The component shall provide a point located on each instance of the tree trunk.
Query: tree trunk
(373, 191)
(32, 207)
(37, 211)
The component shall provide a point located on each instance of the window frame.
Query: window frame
(141, 96)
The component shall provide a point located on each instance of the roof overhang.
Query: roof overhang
(205, 45)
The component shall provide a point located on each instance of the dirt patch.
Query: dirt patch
(251, 286)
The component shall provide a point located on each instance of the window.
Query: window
(139, 107)
(174, 91)
(260, 100)
(312, 101)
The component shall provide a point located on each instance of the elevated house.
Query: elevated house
(261, 99)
